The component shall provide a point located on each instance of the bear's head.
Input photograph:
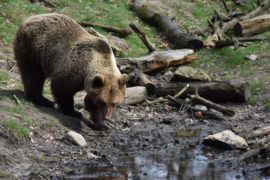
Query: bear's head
(105, 94)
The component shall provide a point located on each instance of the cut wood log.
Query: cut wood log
(213, 91)
(135, 95)
(122, 32)
(161, 20)
(191, 109)
(253, 26)
(199, 100)
(143, 37)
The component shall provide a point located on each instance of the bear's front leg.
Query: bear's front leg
(64, 98)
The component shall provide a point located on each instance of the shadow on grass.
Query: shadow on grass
(74, 124)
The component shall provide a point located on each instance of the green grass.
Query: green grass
(267, 103)
(13, 125)
(78, 105)
(16, 110)
(4, 175)
(4, 77)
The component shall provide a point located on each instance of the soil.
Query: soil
(149, 133)
(152, 142)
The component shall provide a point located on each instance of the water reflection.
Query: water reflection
(174, 168)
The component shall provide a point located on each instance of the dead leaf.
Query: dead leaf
(199, 114)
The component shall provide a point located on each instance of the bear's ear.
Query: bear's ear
(98, 81)
(123, 80)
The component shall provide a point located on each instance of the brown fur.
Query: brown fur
(54, 46)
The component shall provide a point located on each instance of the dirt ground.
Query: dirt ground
(152, 142)
(156, 131)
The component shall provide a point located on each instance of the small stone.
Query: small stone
(227, 140)
(76, 138)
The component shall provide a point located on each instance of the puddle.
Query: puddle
(171, 161)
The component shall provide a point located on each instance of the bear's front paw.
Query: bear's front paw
(72, 113)
(103, 127)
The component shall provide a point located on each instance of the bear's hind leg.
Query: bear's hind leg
(33, 81)
(64, 98)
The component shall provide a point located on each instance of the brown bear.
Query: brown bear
(55, 46)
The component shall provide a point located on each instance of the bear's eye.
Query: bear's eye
(113, 104)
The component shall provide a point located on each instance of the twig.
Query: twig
(205, 113)
(210, 104)
(17, 100)
(123, 32)
(161, 99)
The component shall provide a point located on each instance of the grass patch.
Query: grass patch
(13, 125)
(267, 103)
(78, 105)
(4, 175)
(4, 77)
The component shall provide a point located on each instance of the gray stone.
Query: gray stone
(76, 138)
(226, 139)
(185, 74)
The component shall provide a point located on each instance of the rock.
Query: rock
(184, 74)
(227, 140)
(76, 138)
(119, 46)
(251, 57)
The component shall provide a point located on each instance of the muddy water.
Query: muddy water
(178, 159)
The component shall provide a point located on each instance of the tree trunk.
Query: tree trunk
(252, 26)
(213, 91)
(160, 20)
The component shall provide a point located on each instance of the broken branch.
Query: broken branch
(150, 46)
(123, 32)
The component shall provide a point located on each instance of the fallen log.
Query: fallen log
(253, 26)
(158, 60)
(227, 42)
(122, 32)
(161, 20)
(191, 109)
(138, 78)
(259, 10)
(135, 95)
(213, 91)
(164, 59)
